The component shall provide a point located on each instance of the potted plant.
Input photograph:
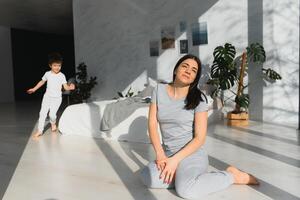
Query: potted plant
(228, 71)
(83, 86)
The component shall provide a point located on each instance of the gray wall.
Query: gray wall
(255, 34)
(37, 15)
(6, 80)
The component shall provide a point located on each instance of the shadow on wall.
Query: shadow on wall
(131, 58)
(282, 28)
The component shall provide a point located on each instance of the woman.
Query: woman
(180, 108)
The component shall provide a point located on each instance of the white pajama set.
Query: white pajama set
(52, 97)
(192, 180)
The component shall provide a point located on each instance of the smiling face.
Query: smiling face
(186, 71)
(55, 67)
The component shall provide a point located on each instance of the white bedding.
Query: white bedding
(84, 120)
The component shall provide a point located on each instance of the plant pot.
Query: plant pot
(238, 116)
(237, 119)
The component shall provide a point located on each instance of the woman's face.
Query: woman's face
(186, 71)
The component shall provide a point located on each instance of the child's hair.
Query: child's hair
(54, 58)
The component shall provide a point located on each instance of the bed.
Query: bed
(86, 120)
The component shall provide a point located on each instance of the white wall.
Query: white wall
(281, 41)
(6, 80)
(112, 37)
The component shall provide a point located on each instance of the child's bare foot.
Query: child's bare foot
(37, 134)
(53, 127)
(242, 178)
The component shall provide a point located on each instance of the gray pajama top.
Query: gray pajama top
(176, 123)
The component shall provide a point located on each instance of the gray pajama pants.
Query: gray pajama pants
(192, 179)
(48, 103)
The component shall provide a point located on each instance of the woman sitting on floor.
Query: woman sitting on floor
(180, 108)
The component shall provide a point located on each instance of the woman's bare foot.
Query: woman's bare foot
(242, 178)
(37, 134)
(53, 127)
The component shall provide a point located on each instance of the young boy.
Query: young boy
(52, 97)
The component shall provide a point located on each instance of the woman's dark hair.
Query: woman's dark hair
(54, 58)
(195, 95)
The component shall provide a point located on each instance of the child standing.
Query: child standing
(52, 97)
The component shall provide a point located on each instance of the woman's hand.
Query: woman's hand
(169, 170)
(160, 161)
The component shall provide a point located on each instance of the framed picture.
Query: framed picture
(154, 48)
(168, 38)
(184, 46)
(182, 26)
(199, 33)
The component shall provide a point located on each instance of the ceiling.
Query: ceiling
(50, 16)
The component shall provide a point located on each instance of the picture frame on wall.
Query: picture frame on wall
(183, 44)
(168, 37)
(154, 48)
(199, 33)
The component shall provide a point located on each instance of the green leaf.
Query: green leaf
(224, 70)
(271, 74)
(215, 93)
(256, 53)
(243, 101)
(214, 82)
(83, 85)
(224, 55)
